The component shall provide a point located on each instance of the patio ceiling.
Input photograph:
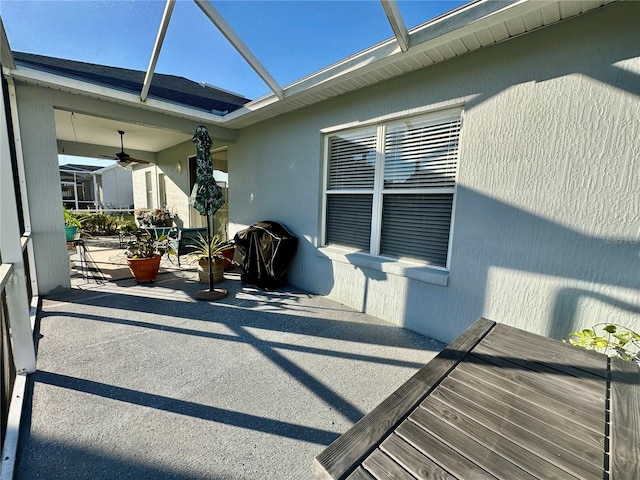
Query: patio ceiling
(87, 129)
(471, 27)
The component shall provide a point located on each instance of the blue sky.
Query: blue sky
(292, 39)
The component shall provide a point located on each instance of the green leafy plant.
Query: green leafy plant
(70, 220)
(216, 246)
(126, 225)
(608, 338)
(99, 223)
(144, 245)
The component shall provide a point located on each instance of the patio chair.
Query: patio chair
(183, 240)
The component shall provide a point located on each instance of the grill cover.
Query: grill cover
(267, 249)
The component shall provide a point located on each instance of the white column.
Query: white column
(11, 251)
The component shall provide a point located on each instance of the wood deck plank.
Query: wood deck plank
(382, 467)
(457, 464)
(484, 457)
(419, 465)
(519, 455)
(360, 474)
(547, 388)
(532, 356)
(553, 427)
(560, 450)
(341, 457)
(625, 420)
(553, 351)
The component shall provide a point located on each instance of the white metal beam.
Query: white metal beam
(240, 46)
(397, 23)
(162, 30)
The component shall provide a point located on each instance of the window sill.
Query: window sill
(415, 271)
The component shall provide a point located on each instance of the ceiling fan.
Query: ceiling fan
(123, 158)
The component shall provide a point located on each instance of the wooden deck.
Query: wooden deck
(502, 403)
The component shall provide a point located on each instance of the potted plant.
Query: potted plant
(147, 217)
(143, 255)
(217, 247)
(71, 224)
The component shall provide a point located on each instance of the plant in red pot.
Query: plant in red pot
(144, 252)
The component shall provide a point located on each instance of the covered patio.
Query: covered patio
(143, 381)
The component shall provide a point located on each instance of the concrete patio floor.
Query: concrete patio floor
(144, 382)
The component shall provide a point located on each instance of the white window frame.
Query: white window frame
(373, 259)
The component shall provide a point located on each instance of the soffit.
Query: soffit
(79, 128)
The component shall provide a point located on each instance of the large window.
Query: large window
(390, 187)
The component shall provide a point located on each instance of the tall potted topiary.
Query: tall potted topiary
(143, 256)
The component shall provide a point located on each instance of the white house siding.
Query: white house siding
(546, 223)
(117, 187)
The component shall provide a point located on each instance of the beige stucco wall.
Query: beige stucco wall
(547, 223)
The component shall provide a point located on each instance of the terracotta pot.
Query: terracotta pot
(203, 271)
(144, 269)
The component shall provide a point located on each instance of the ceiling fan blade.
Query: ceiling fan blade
(130, 161)
(123, 158)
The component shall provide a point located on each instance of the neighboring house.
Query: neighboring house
(114, 186)
(77, 186)
(490, 170)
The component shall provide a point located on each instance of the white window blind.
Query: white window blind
(351, 174)
(406, 213)
(352, 158)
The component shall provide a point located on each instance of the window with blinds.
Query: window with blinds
(390, 188)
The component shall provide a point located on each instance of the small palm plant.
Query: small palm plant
(214, 247)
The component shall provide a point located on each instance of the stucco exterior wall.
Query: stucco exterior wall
(546, 231)
(40, 153)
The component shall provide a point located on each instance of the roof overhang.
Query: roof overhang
(472, 27)
(469, 28)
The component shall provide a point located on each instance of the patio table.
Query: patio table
(500, 402)
(157, 232)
